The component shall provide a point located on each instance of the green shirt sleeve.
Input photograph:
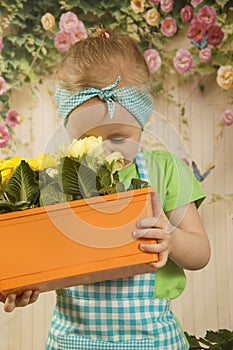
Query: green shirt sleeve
(173, 180)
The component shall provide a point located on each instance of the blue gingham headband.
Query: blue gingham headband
(136, 101)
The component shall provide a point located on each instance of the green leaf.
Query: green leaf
(22, 185)
(24, 64)
(44, 50)
(201, 87)
(205, 69)
(182, 111)
(87, 182)
(33, 76)
(51, 194)
(103, 178)
(220, 340)
(194, 343)
(120, 187)
(137, 184)
(68, 176)
(6, 207)
(219, 337)
(77, 179)
(12, 38)
(206, 342)
(218, 59)
(222, 3)
(14, 63)
(21, 41)
(30, 47)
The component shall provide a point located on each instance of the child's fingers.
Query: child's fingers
(24, 299)
(156, 205)
(2, 298)
(34, 296)
(10, 303)
(160, 222)
(154, 248)
(151, 233)
(163, 257)
(13, 301)
(159, 219)
(28, 297)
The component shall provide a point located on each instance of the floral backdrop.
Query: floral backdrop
(35, 34)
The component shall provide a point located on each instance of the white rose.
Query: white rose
(116, 161)
(76, 149)
(91, 143)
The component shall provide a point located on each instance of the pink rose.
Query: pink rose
(168, 26)
(152, 59)
(4, 136)
(195, 3)
(183, 61)
(1, 42)
(186, 14)
(154, 2)
(68, 21)
(3, 86)
(205, 55)
(62, 41)
(78, 32)
(215, 35)
(227, 117)
(207, 16)
(12, 118)
(166, 5)
(196, 30)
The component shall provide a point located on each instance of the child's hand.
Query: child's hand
(158, 228)
(179, 233)
(12, 301)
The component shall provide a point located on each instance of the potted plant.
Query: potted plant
(213, 340)
(67, 219)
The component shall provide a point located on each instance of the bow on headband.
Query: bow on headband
(136, 101)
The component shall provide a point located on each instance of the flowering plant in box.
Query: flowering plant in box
(79, 170)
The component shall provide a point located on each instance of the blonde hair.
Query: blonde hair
(98, 60)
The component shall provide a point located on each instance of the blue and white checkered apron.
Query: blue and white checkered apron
(120, 314)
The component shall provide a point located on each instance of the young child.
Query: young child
(104, 91)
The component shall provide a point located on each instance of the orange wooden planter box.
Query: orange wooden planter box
(73, 243)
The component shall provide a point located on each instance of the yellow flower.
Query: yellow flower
(225, 77)
(92, 144)
(78, 148)
(152, 17)
(137, 5)
(116, 161)
(7, 167)
(43, 161)
(48, 21)
(75, 149)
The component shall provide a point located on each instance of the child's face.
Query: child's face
(121, 133)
